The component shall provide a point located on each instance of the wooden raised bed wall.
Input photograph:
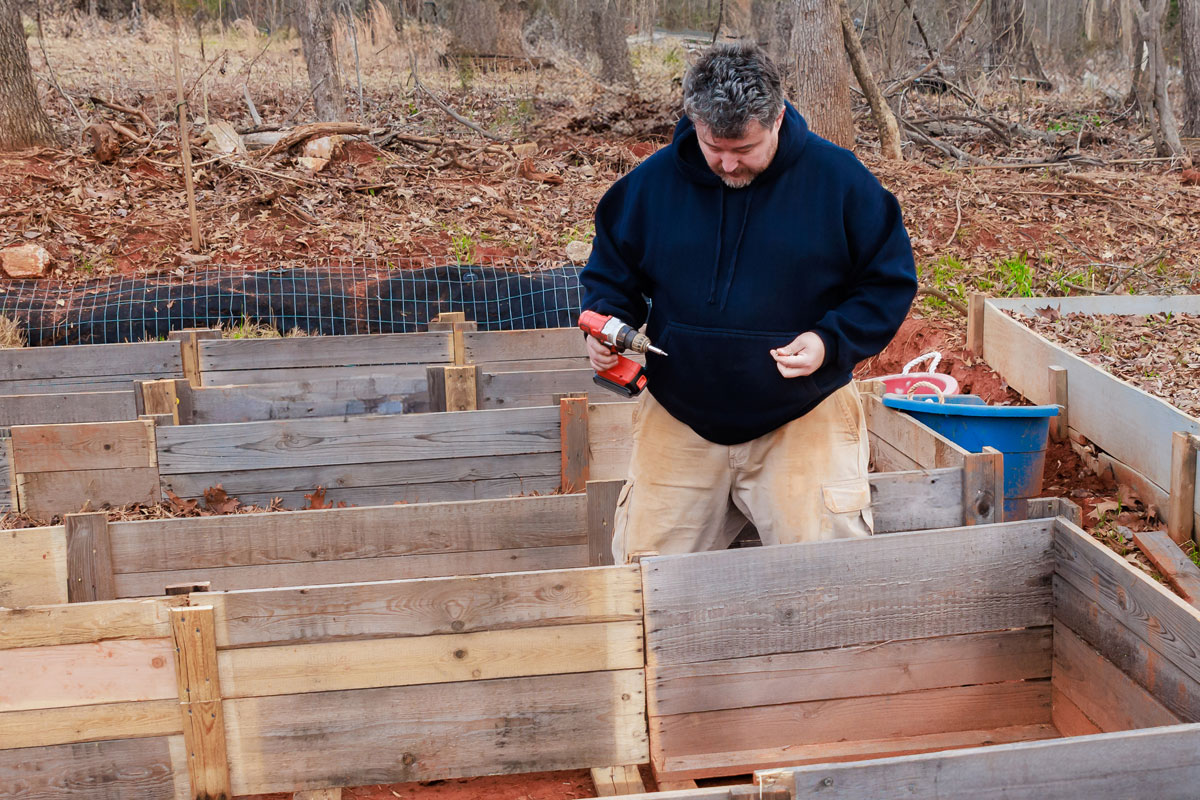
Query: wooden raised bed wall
(1135, 429)
(909, 643)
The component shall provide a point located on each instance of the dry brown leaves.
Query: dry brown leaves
(1158, 353)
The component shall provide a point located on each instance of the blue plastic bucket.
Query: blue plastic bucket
(1019, 432)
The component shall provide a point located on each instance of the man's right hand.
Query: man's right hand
(601, 357)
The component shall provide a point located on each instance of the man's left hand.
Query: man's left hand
(803, 356)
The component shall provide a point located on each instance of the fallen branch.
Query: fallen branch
(940, 295)
(451, 112)
(303, 133)
(133, 112)
(962, 30)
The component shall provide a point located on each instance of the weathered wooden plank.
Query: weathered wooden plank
(1129, 651)
(356, 570)
(296, 399)
(983, 487)
(7, 476)
(888, 668)
(1164, 621)
(610, 439)
(512, 389)
(773, 732)
(89, 360)
(396, 372)
(545, 364)
(1123, 420)
(198, 688)
(700, 766)
(348, 533)
(1107, 696)
(356, 440)
(602, 499)
(1057, 384)
(843, 593)
(33, 567)
(189, 340)
(1176, 568)
(1163, 763)
(448, 658)
(886, 458)
(53, 409)
(616, 781)
(451, 730)
(45, 494)
(44, 727)
(89, 558)
(915, 500)
(80, 674)
(161, 398)
(426, 607)
(124, 769)
(1182, 504)
(42, 626)
(573, 424)
(1067, 717)
(84, 445)
(257, 355)
(927, 448)
(1042, 507)
(482, 347)
(975, 308)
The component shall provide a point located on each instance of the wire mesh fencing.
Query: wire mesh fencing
(331, 296)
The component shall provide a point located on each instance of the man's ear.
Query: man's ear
(779, 119)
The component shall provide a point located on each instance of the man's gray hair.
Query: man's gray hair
(730, 85)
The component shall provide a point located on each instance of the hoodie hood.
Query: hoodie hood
(793, 136)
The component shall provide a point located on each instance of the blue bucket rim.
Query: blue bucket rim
(932, 406)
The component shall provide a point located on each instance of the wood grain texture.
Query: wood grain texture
(348, 533)
(279, 355)
(115, 671)
(396, 372)
(199, 691)
(426, 607)
(1163, 763)
(915, 500)
(87, 622)
(983, 487)
(126, 769)
(84, 445)
(610, 440)
(482, 347)
(888, 668)
(1067, 717)
(8, 478)
(161, 398)
(886, 458)
(356, 440)
(296, 399)
(44, 727)
(849, 592)
(1106, 696)
(884, 716)
(602, 499)
(925, 447)
(1057, 383)
(510, 725)
(31, 364)
(1168, 559)
(511, 389)
(89, 558)
(1123, 420)
(616, 781)
(55, 409)
(356, 570)
(1162, 620)
(1181, 507)
(45, 494)
(483, 655)
(33, 567)
(576, 451)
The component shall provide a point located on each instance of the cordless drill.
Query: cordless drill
(627, 378)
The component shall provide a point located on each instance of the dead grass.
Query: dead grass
(11, 333)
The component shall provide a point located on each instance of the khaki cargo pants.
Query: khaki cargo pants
(804, 482)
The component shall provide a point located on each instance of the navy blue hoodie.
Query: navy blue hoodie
(814, 243)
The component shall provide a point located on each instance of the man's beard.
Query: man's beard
(742, 181)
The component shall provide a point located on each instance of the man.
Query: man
(774, 262)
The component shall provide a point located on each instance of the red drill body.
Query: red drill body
(627, 378)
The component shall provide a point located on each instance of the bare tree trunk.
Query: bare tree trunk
(1011, 46)
(1151, 89)
(1189, 21)
(315, 23)
(608, 21)
(806, 42)
(23, 123)
(486, 28)
(885, 120)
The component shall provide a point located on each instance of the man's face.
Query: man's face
(738, 161)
